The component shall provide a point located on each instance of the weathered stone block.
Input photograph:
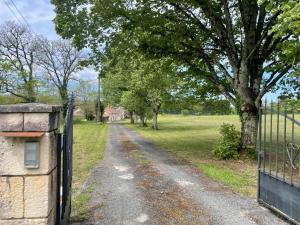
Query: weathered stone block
(11, 121)
(28, 196)
(30, 108)
(11, 197)
(12, 155)
(43, 221)
(37, 196)
(41, 121)
(52, 203)
(52, 217)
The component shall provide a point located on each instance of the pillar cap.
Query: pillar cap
(30, 108)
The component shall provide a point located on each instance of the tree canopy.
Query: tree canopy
(59, 62)
(138, 83)
(18, 50)
(237, 46)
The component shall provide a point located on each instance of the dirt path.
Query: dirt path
(136, 183)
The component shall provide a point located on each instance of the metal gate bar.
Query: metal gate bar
(64, 168)
(280, 196)
(279, 187)
(58, 186)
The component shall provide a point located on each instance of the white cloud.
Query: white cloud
(88, 74)
(38, 13)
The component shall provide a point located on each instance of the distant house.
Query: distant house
(78, 112)
(114, 113)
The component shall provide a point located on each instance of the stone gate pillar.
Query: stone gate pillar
(28, 164)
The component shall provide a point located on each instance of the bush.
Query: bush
(89, 116)
(185, 112)
(229, 144)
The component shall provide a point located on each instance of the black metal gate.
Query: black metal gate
(278, 161)
(64, 168)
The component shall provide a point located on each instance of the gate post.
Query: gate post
(28, 161)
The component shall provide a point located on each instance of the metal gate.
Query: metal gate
(278, 161)
(64, 168)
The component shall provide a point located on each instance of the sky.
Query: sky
(39, 14)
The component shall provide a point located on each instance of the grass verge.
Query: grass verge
(79, 205)
(88, 150)
(192, 138)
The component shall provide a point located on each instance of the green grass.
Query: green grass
(89, 144)
(188, 136)
(227, 176)
(79, 205)
(88, 150)
(242, 182)
(192, 138)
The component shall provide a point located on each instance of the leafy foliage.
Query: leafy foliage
(234, 46)
(229, 144)
(136, 82)
(288, 20)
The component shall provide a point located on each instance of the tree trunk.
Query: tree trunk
(142, 120)
(31, 95)
(247, 105)
(63, 91)
(249, 126)
(98, 111)
(102, 108)
(136, 118)
(131, 117)
(154, 121)
(31, 98)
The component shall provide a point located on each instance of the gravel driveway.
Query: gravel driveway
(136, 183)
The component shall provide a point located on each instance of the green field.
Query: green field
(88, 149)
(192, 138)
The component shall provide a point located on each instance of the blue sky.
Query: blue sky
(39, 14)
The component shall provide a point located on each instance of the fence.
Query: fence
(64, 165)
(278, 161)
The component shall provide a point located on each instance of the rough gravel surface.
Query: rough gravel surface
(137, 183)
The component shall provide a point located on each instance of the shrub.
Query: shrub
(185, 112)
(229, 144)
(89, 116)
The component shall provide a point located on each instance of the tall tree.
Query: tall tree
(86, 95)
(18, 47)
(135, 103)
(150, 81)
(232, 44)
(59, 61)
(159, 78)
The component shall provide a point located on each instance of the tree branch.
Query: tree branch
(273, 81)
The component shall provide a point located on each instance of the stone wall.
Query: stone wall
(28, 196)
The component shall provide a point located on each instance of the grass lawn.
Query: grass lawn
(192, 138)
(88, 149)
